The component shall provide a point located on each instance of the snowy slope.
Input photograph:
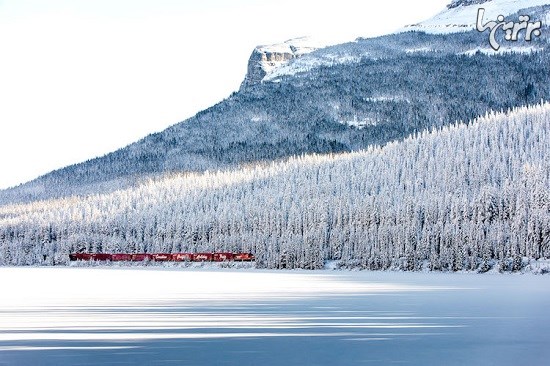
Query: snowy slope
(463, 17)
(459, 16)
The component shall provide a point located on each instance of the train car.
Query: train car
(100, 257)
(141, 257)
(89, 257)
(203, 257)
(182, 257)
(222, 257)
(80, 257)
(162, 257)
(243, 257)
(122, 257)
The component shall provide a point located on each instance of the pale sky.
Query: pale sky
(79, 79)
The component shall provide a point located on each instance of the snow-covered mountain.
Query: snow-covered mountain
(298, 99)
(461, 15)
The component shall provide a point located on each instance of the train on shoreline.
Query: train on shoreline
(163, 257)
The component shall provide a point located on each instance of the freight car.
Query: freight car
(163, 257)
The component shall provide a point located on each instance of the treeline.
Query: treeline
(464, 197)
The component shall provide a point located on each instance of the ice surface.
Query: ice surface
(133, 316)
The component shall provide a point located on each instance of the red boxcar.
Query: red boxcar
(182, 257)
(121, 257)
(222, 257)
(203, 257)
(142, 257)
(100, 257)
(162, 257)
(243, 257)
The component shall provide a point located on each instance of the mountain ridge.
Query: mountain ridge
(346, 97)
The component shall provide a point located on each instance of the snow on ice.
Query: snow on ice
(133, 316)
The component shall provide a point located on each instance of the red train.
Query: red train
(163, 257)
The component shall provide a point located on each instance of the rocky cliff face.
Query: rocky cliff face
(261, 62)
(265, 59)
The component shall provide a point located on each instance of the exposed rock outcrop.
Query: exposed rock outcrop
(265, 59)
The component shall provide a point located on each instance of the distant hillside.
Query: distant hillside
(466, 197)
(335, 99)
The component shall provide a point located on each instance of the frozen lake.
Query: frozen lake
(156, 316)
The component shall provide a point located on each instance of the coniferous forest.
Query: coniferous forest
(470, 196)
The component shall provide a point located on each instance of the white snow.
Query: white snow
(296, 67)
(463, 18)
(52, 316)
(419, 50)
(502, 50)
(360, 123)
(297, 46)
(387, 98)
(305, 64)
(102, 286)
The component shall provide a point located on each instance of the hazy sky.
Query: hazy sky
(81, 78)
